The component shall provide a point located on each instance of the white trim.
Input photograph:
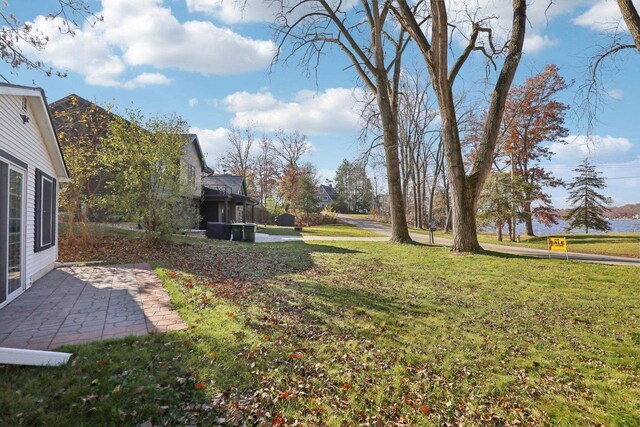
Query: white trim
(43, 121)
(23, 231)
(19, 356)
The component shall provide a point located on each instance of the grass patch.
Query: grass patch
(329, 230)
(352, 333)
(616, 244)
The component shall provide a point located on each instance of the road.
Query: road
(385, 230)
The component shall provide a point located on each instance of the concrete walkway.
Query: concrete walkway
(79, 304)
(515, 250)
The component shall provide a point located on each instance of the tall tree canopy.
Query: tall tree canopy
(431, 27)
(534, 117)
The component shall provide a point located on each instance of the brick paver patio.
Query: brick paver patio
(81, 304)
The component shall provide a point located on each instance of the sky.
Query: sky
(211, 62)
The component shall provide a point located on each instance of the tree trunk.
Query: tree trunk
(465, 237)
(399, 228)
(528, 219)
(632, 19)
(499, 231)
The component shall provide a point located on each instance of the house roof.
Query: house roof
(233, 183)
(329, 190)
(193, 138)
(38, 102)
(80, 101)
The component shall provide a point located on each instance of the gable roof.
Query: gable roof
(331, 192)
(38, 102)
(80, 102)
(192, 138)
(234, 183)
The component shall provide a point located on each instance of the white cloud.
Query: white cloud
(246, 11)
(243, 101)
(144, 33)
(602, 16)
(193, 102)
(147, 79)
(331, 111)
(234, 11)
(212, 141)
(536, 43)
(615, 93)
(604, 149)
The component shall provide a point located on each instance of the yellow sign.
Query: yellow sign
(557, 243)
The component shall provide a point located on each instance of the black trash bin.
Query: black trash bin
(218, 230)
(250, 232)
(237, 232)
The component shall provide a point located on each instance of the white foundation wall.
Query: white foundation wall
(25, 142)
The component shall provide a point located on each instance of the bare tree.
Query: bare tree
(593, 92)
(238, 159)
(14, 34)
(291, 147)
(369, 37)
(436, 50)
(266, 169)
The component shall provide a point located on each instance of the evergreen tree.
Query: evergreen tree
(306, 201)
(589, 207)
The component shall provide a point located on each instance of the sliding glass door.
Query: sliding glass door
(12, 227)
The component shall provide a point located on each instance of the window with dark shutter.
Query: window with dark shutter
(45, 211)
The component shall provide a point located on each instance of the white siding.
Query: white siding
(190, 156)
(24, 141)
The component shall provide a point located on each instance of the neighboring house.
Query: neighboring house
(192, 166)
(224, 199)
(31, 167)
(325, 195)
(72, 110)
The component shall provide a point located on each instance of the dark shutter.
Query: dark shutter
(45, 211)
(4, 198)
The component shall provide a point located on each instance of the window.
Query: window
(45, 211)
(191, 174)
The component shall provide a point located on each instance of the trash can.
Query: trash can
(250, 233)
(236, 232)
(218, 230)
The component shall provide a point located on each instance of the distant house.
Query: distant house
(325, 195)
(71, 111)
(224, 199)
(31, 167)
(193, 166)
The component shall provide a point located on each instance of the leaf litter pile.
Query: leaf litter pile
(299, 334)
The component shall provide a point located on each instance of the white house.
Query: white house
(31, 168)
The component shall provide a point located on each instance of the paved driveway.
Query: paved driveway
(80, 304)
(516, 250)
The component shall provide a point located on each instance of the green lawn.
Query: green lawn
(329, 230)
(618, 244)
(355, 333)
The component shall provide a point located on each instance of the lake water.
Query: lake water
(617, 226)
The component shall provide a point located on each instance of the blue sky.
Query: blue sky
(209, 62)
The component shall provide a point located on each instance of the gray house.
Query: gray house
(224, 199)
(325, 195)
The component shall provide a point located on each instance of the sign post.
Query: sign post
(558, 244)
(432, 228)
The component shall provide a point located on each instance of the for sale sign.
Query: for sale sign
(557, 243)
